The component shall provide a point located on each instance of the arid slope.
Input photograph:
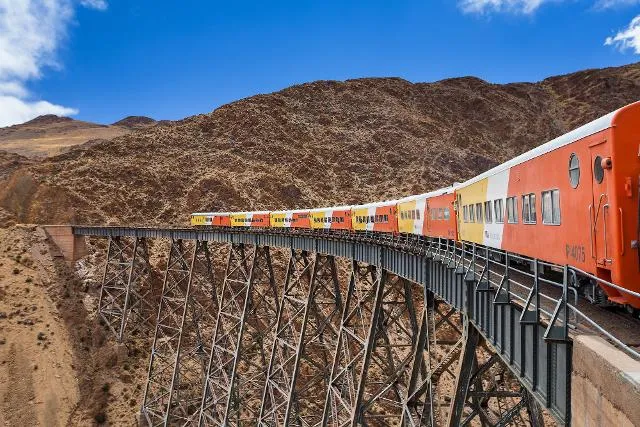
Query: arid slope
(49, 134)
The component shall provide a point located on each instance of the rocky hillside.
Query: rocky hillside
(319, 143)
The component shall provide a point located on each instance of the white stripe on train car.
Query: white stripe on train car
(497, 186)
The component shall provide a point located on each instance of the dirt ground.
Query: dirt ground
(38, 380)
(57, 368)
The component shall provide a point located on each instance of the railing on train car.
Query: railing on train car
(559, 313)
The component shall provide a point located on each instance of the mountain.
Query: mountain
(320, 143)
(135, 122)
(50, 134)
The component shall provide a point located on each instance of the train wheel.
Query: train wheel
(634, 312)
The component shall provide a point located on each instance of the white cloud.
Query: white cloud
(14, 110)
(31, 32)
(511, 6)
(629, 38)
(608, 4)
(95, 4)
(13, 89)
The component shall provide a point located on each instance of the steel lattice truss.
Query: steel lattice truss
(127, 304)
(165, 352)
(318, 343)
(283, 365)
(377, 351)
(195, 339)
(354, 346)
(237, 368)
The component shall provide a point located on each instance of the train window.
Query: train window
(417, 214)
(488, 214)
(472, 213)
(529, 209)
(403, 215)
(551, 207)
(598, 171)
(372, 218)
(512, 210)
(498, 206)
(385, 218)
(574, 170)
(447, 214)
(479, 213)
(465, 213)
(413, 214)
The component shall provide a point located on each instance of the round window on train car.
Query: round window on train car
(574, 170)
(598, 171)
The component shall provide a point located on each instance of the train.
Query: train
(574, 200)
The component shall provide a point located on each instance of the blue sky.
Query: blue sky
(101, 60)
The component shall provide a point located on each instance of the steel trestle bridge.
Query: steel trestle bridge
(420, 332)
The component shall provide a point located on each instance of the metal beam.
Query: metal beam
(289, 334)
(464, 375)
(195, 339)
(165, 352)
(395, 335)
(237, 368)
(354, 346)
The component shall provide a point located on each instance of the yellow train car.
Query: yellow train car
(250, 219)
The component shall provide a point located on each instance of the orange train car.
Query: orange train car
(211, 219)
(290, 219)
(430, 214)
(260, 219)
(332, 218)
(574, 200)
(381, 217)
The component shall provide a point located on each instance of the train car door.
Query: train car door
(427, 218)
(599, 210)
(458, 213)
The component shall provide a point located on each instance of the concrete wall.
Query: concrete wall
(605, 385)
(71, 247)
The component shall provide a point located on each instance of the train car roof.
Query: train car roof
(598, 125)
(290, 211)
(250, 212)
(375, 204)
(211, 213)
(434, 193)
(332, 208)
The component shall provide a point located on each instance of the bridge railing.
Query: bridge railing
(630, 351)
(520, 278)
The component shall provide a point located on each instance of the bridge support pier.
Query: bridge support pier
(237, 369)
(278, 396)
(354, 346)
(126, 301)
